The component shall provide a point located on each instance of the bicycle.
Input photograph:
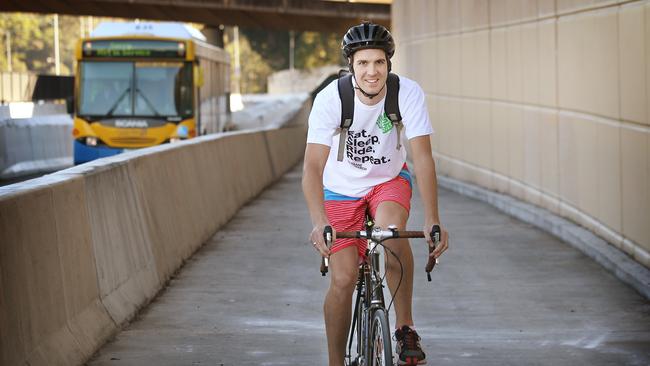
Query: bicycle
(370, 317)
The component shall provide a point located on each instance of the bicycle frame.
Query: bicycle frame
(370, 297)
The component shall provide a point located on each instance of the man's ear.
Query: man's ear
(350, 67)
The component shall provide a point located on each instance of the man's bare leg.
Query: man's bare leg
(344, 268)
(392, 213)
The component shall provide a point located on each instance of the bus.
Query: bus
(144, 84)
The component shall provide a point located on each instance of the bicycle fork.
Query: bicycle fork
(357, 305)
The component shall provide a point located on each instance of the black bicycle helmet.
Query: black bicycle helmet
(367, 35)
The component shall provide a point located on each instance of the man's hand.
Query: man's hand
(442, 245)
(318, 240)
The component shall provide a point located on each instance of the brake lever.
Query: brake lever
(435, 236)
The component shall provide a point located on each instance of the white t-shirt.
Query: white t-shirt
(371, 156)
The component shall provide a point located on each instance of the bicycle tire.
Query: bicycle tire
(381, 350)
(359, 333)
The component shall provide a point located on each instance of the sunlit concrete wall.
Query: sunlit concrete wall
(545, 100)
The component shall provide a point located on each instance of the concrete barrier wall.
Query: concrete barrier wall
(126, 270)
(52, 311)
(232, 171)
(39, 143)
(268, 110)
(547, 101)
(83, 249)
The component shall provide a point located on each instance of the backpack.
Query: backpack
(391, 107)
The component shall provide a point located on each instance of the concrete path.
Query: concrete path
(504, 294)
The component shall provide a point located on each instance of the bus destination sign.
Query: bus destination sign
(134, 48)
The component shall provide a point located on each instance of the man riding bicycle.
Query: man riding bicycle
(371, 177)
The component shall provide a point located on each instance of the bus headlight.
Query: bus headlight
(182, 131)
(174, 139)
(91, 141)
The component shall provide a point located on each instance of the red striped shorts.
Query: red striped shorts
(349, 213)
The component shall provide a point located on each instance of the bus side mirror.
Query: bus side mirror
(198, 76)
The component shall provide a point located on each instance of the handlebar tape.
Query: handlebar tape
(324, 262)
(435, 236)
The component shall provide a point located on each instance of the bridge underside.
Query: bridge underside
(313, 15)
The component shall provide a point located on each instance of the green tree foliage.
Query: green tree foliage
(312, 49)
(254, 69)
(24, 31)
(317, 49)
(32, 42)
(273, 46)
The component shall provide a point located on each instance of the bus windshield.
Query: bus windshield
(139, 89)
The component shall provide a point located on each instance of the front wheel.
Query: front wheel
(381, 351)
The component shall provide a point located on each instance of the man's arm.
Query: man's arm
(312, 187)
(425, 173)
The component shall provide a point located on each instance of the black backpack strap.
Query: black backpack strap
(346, 93)
(391, 105)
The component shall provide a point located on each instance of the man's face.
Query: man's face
(370, 69)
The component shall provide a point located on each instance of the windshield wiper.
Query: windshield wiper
(149, 104)
(118, 101)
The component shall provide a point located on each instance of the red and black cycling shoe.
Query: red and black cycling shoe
(408, 347)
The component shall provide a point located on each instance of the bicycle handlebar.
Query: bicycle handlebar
(379, 235)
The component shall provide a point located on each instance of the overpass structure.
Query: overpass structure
(313, 15)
